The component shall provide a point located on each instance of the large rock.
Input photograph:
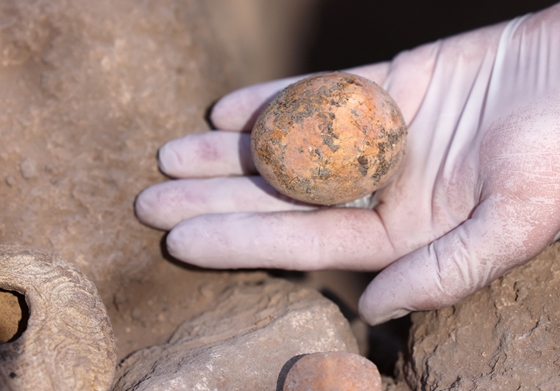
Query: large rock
(504, 337)
(242, 342)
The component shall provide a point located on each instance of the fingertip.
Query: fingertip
(234, 111)
(169, 161)
(151, 210)
(174, 243)
(191, 241)
(374, 314)
(221, 114)
(143, 206)
(238, 110)
(147, 209)
(366, 310)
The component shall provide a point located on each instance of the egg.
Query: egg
(329, 139)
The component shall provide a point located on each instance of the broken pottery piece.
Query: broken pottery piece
(67, 343)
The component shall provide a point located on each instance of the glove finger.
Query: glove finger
(333, 238)
(166, 204)
(205, 155)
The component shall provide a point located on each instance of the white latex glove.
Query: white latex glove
(478, 191)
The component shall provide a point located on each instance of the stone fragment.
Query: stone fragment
(504, 337)
(28, 169)
(67, 343)
(10, 181)
(333, 371)
(242, 342)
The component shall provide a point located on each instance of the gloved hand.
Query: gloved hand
(477, 193)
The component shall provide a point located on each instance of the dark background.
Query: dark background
(356, 32)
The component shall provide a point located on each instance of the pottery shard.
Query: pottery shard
(68, 342)
(504, 337)
(241, 343)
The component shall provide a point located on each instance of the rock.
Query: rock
(65, 341)
(242, 342)
(333, 371)
(90, 91)
(504, 337)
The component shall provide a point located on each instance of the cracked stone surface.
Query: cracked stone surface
(504, 337)
(262, 324)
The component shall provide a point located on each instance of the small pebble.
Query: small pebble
(206, 292)
(28, 169)
(333, 371)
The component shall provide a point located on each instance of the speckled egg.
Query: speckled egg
(329, 139)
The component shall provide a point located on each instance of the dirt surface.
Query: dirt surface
(90, 91)
(264, 39)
